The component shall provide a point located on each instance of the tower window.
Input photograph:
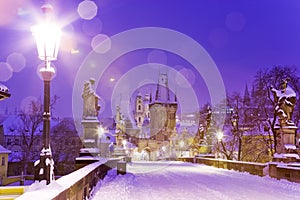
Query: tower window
(139, 107)
(140, 119)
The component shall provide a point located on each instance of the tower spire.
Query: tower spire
(246, 99)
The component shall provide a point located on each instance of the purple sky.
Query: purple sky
(241, 37)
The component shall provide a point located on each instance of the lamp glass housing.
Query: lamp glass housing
(47, 38)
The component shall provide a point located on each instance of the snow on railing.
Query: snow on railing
(279, 170)
(76, 185)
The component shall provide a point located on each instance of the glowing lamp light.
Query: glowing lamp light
(100, 131)
(47, 38)
(220, 135)
(181, 143)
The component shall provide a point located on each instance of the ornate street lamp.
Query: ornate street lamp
(219, 135)
(47, 37)
(235, 123)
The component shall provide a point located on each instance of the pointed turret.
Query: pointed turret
(162, 90)
(246, 99)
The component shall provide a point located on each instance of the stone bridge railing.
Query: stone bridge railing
(77, 185)
(278, 170)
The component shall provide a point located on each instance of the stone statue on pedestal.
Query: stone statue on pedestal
(285, 99)
(285, 129)
(90, 100)
(90, 120)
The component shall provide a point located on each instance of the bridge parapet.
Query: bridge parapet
(77, 185)
(250, 167)
(278, 170)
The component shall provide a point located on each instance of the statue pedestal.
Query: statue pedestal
(286, 148)
(90, 153)
(90, 132)
(119, 151)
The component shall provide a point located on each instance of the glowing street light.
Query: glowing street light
(124, 142)
(220, 136)
(181, 144)
(47, 36)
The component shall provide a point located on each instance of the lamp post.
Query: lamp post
(181, 144)
(235, 123)
(219, 139)
(47, 37)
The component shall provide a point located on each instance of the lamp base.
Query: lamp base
(44, 167)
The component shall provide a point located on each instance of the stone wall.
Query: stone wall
(252, 168)
(77, 185)
(286, 171)
(278, 170)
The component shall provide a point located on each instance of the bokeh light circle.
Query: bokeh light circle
(186, 73)
(87, 9)
(101, 43)
(6, 71)
(157, 56)
(235, 21)
(17, 61)
(218, 37)
(26, 103)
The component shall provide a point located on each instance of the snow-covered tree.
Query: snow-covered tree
(263, 98)
(65, 144)
(29, 123)
(28, 126)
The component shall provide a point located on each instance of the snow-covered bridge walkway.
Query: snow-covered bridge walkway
(177, 180)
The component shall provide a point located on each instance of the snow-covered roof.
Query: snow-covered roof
(4, 92)
(3, 88)
(4, 150)
(290, 146)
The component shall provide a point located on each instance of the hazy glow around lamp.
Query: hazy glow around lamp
(219, 135)
(47, 36)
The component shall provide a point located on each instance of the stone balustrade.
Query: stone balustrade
(77, 185)
(278, 170)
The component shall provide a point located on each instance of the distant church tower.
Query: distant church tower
(147, 100)
(246, 99)
(162, 111)
(139, 111)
